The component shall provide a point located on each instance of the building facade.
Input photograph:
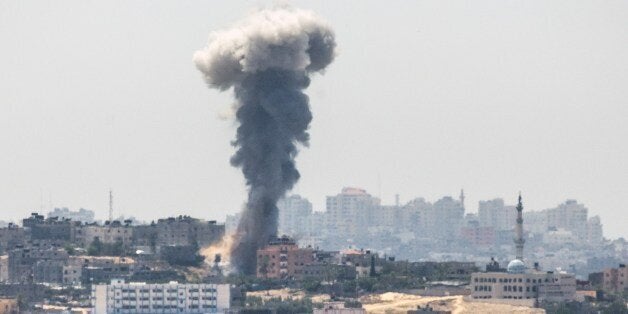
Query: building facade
(527, 285)
(493, 213)
(83, 215)
(294, 210)
(173, 297)
(615, 279)
(282, 258)
(350, 212)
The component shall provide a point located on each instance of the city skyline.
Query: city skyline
(515, 97)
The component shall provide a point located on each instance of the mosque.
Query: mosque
(518, 282)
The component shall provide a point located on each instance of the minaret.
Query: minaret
(519, 241)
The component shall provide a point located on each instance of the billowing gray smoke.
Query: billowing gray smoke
(267, 59)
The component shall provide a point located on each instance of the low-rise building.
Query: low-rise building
(9, 306)
(282, 258)
(112, 233)
(517, 284)
(173, 297)
(31, 264)
(99, 269)
(11, 236)
(178, 231)
(615, 279)
(53, 228)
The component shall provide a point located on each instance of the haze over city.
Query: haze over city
(423, 99)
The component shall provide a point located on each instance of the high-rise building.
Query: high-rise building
(493, 213)
(594, 231)
(448, 218)
(351, 212)
(294, 211)
(418, 215)
(570, 216)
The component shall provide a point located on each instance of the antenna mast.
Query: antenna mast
(110, 206)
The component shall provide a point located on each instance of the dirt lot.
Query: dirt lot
(392, 302)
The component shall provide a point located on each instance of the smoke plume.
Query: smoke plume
(267, 60)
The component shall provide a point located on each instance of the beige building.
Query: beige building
(527, 285)
(616, 279)
(282, 258)
(86, 234)
(9, 306)
(350, 212)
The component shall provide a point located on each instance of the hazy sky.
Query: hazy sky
(424, 98)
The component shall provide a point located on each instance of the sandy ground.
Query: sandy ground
(392, 302)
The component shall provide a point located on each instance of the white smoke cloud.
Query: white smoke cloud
(280, 38)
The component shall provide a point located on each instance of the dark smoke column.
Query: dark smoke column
(268, 60)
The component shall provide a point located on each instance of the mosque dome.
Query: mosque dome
(516, 267)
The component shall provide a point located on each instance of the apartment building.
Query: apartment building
(173, 297)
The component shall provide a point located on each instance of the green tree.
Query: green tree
(95, 248)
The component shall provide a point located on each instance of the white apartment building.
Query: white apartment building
(173, 297)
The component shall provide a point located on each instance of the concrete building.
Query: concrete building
(517, 283)
(282, 258)
(364, 262)
(418, 215)
(615, 279)
(493, 213)
(53, 228)
(83, 215)
(351, 212)
(185, 230)
(478, 236)
(570, 216)
(11, 236)
(101, 269)
(595, 234)
(23, 263)
(448, 217)
(294, 210)
(9, 306)
(173, 297)
(110, 234)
